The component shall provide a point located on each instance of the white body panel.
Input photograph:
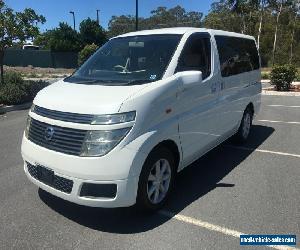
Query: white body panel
(196, 117)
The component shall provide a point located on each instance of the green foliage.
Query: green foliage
(16, 26)
(17, 91)
(282, 76)
(12, 94)
(121, 24)
(42, 40)
(265, 75)
(33, 87)
(160, 18)
(92, 32)
(86, 52)
(298, 76)
(63, 38)
(12, 77)
(244, 16)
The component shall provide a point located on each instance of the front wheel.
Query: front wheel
(156, 180)
(245, 126)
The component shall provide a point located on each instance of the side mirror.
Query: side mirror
(189, 77)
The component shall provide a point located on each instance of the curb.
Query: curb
(268, 81)
(278, 93)
(6, 109)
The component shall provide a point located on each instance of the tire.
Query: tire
(245, 127)
(154, 188)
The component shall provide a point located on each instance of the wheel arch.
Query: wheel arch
(251, 107)
(172, 146)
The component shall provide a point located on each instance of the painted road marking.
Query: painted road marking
(263, 151)
(213, 227)
(278, 121)
(286, 106)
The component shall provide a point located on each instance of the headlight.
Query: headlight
(113, 119)
(32, 108)
(27, 126)
(98, 143)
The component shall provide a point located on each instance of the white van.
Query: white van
(143, 107)
(30, 47)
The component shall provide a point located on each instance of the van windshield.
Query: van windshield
(128, 61)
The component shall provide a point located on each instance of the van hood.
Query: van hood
(85, 99)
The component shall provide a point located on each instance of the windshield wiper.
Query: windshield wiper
(137, 81)
(88, 81)
(106, 81)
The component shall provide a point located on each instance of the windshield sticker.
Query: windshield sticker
(152, 77)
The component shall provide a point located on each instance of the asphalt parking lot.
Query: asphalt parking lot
(253, 189)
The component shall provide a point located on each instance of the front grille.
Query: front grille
(63, 116)
(64, 140)
(60, 183)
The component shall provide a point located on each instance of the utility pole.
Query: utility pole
(136, 15)
(98, 16)
(72, 12)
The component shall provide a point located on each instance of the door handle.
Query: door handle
(222, 85)
(214, 87)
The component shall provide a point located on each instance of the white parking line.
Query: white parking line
(286, 106)
(213, 227)
(263, 151)
(278, 121)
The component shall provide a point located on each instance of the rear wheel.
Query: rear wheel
(245, 126)
(156, 179)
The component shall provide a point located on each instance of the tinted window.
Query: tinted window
(196, 55)
(237, 55)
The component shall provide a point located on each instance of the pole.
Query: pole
(72, 12)
(136, 15)
(98, 16)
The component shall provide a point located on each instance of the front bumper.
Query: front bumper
(113, 168)
(125, 195)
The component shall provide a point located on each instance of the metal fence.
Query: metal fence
(40, 58)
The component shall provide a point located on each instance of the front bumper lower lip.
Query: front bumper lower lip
(125, 196)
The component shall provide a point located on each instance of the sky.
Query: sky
(56, 11)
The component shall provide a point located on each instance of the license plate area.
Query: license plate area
(45, 175)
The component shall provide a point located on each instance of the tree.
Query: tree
(174, 17)
(262, 8)
(239, 7)
(86, 52)
(161, 17)
(16, 26)
(92, 32)
(278, 7)
(62, 38)
(121, 24)
(296, 7)
(221, 17)
(261, 20)
(42, 40)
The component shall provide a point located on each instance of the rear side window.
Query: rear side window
(196, 54)
(237, 55)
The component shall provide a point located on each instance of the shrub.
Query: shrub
(11, 77)
(298, 76)
(12, 94)
(86, 52)
(283, 76)
(33, 87)
(265, 75)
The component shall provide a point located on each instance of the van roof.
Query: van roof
(183, 30)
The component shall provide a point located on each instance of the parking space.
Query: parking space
(232, 190)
